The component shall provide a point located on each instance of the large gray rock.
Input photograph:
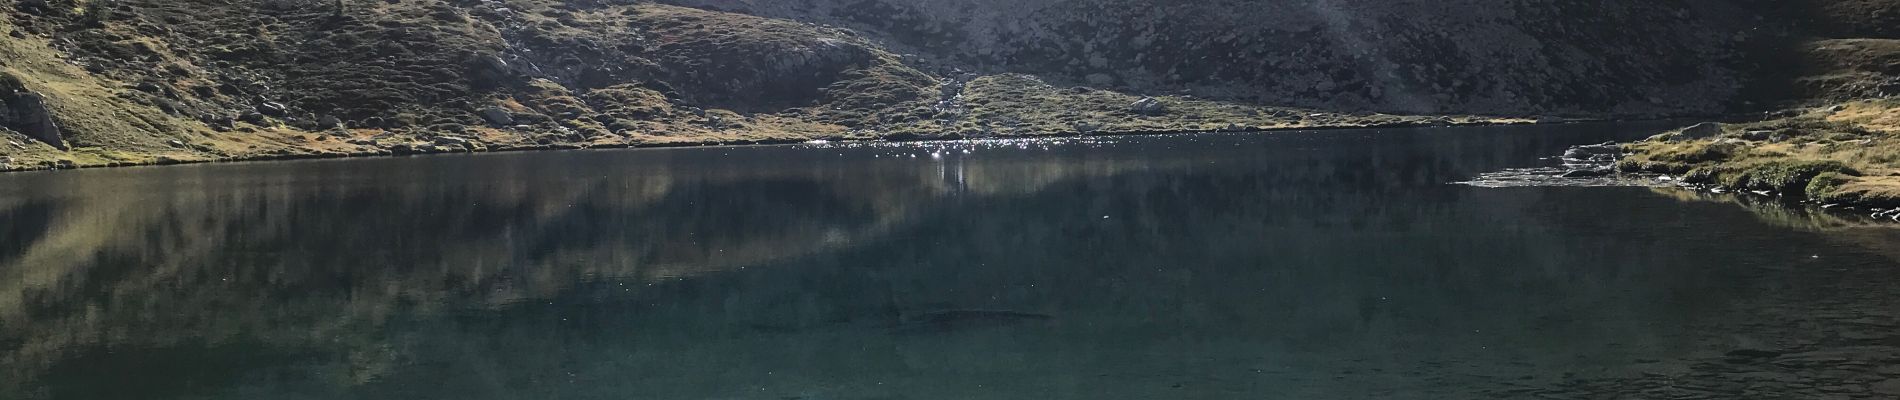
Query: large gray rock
(26, 112)
(498, 116)
(490, 71)
(450, 141)
(1148, 106)
(274, 109)
(1593, 152)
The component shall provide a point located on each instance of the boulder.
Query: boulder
(449, 128)
(34, 7)
(328, 121)
(254, 118)
(219, 122)
(1148, 106)
(1703, 130)
(25, 112)
(273, 109)
(450, 141)
(498, 116)
(1085, 128)
(1593, 152)
(487, 71)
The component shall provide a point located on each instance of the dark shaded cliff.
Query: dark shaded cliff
(1492, 57)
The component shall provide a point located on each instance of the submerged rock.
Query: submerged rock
(1585, 173)
(1752, 354)
(1593, 152)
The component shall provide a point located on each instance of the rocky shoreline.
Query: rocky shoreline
(1838, 156)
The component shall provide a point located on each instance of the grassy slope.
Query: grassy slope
(83, 105)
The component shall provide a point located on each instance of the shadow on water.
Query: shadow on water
(1287, 265)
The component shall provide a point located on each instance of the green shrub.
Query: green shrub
(1826, 183)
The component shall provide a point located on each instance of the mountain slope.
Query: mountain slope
(158, 81)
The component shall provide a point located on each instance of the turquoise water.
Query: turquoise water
(1298, 265)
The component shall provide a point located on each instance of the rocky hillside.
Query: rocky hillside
(111, 82)
(1483, 56)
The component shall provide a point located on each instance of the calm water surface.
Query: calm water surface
(1319, 265)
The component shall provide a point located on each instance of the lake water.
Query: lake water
(1297, 265)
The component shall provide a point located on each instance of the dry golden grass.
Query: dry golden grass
(1847, 153)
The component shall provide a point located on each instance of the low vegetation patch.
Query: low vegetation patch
(1846, 153)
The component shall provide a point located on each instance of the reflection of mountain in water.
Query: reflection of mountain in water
(694, 270)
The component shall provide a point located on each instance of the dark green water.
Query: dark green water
(1322, 265)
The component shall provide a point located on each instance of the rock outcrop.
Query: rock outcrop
(25, 111)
